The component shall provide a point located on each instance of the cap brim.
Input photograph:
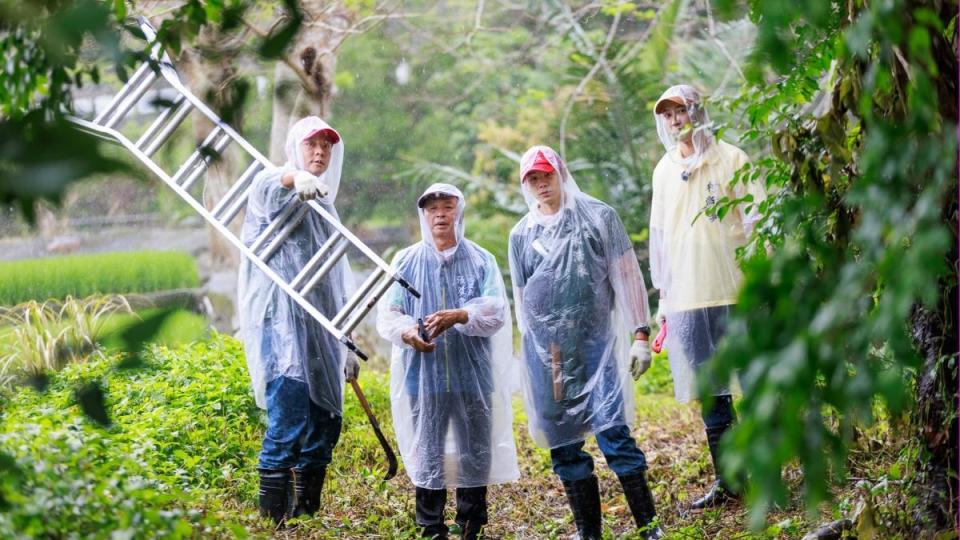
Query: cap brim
(542, 167)
(330, 133)
(662, 103)
(422, 200)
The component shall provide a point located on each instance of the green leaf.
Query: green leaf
(273, 46)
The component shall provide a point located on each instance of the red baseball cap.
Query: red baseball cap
(541, 163)
(330, 133)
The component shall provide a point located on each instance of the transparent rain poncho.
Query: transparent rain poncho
(280, 338)
(692, 254)
(579, 295)
(451, 407)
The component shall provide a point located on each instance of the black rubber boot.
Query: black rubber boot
(275, 493)
(307, 489)
(471, 511)
(640, 501)
(720, 492)
(430, 503)
(584, 498)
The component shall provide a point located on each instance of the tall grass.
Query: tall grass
(86, 275)
(44, 336)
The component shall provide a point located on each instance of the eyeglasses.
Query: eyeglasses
(685, 175)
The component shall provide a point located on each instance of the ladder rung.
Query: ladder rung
(281, 236)
(327, 266)
(360, 314)
(131, 100)
(236, 207)
(368, 284)
(205, 161)
(272, 227)
(197, 155)
(315, 260)
(124, 92)
(164, 126)
(237, 187)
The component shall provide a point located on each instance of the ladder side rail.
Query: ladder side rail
(168, 73)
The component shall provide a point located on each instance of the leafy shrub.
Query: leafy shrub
(43, 337)
(86, 275)
(183, 425)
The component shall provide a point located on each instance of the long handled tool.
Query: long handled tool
(391, 457)
(186, 181)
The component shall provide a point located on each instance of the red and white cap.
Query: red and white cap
(328, 132)
(540, 163)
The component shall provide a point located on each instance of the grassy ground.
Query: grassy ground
(179, 461)
(103, 273)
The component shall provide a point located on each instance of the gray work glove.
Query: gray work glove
(639, 358)
(351, 368)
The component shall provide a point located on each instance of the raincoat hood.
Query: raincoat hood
(425, 233)
(532, 160)
(304, 129)
(688, 96)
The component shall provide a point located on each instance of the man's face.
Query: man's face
(677, 117)
(545, 187)
(441, 216)
(316, 153)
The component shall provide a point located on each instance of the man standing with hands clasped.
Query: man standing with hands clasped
(450, 367)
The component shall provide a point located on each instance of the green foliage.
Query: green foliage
(864, 164)
(104, 273)
(41, 337)
(184, 429)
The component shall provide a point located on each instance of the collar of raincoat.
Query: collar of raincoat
(707, 156)
(703, 138)
(568, 186)
(296, 135)
(427, 235)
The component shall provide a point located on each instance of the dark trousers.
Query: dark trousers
(572, 463)
(299, 433)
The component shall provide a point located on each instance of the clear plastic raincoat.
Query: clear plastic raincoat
(451, 407)
(579, 295)
(279, 337)
(693, 255)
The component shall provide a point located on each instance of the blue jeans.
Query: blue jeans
(299, 433)
(623, 455)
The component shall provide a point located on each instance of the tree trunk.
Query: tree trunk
(303, 82)
(935, 334)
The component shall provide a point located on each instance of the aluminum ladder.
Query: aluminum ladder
(106, 126)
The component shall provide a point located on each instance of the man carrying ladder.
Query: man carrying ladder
(296, 367)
